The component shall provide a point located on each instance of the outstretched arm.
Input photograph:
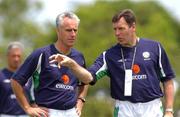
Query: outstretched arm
(81, 73)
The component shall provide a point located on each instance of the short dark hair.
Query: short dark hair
(128, 15)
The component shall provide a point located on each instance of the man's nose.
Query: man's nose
(17, 58)
(73, 32)
(117, 33)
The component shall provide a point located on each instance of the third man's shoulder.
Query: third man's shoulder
(150, 41)
(149, 44)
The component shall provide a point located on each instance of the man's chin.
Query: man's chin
(70, 44)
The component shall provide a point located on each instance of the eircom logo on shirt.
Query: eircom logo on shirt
(136, 69)
(62, 86)
(65, 79)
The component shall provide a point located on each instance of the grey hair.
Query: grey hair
(60, 17)
(15, 44)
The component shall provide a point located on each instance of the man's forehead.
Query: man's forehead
(15, 50)
(121, 21)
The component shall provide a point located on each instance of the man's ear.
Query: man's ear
(134, 26)
(57, 31)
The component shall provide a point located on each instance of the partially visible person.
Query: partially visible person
(54, 90)
(9, 106)
(136, 66)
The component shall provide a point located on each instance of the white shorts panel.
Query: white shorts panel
(63, 113)
(148, 109)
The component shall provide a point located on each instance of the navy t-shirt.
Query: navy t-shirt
(151, 66)
(51, 87)
(8, 102)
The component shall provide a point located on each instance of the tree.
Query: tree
(15, 20)
(17, 24)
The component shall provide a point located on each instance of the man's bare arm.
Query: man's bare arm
(81, 73)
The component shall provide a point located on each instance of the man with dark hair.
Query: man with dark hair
(54, 90)
(136, 66)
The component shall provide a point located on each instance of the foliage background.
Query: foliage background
(95, 36)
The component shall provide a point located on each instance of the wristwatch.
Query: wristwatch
(82, 99)
(169, 110)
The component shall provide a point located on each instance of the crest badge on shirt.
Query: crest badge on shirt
(6, 81)
(146, 55)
